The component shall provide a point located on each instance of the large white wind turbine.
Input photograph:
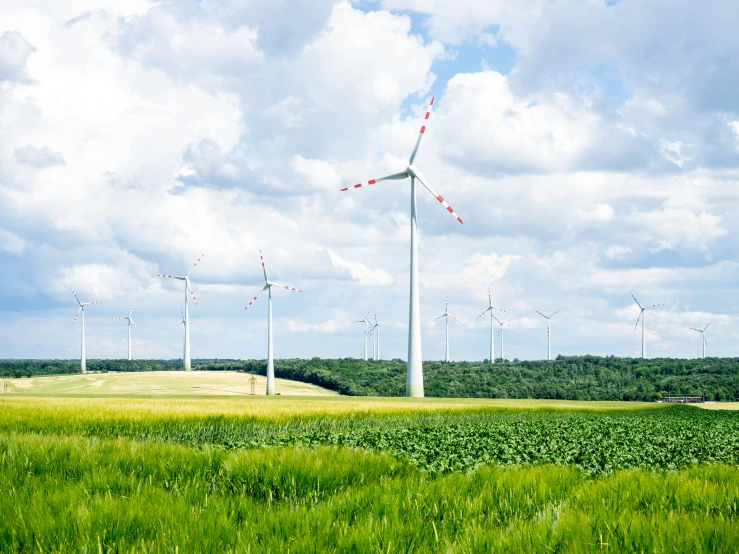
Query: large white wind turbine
(83, 360)
(130, 322)
(375, 332)
(446, 315)
(188, 291)
(641, 316)
(501, 323)
(270, 355)
(549, 330)
(490, 309)
(367, 330)
(703, 333)
(414, 376)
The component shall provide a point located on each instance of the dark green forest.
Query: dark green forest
(567, 377)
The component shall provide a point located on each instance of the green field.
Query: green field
(161, 473)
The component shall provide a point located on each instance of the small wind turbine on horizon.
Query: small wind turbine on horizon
(184, 322)
(446, 315)
(490, 309)
(549, 330)
(641, 316)
(501, 323)
(83, 360)
(188, 291)
(367, 330)
(270, 354)
(703, 333)
(130, 322)
(375, 332)
(414, 374)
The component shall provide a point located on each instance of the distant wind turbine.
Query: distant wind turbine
(641, 316)
(375, 332)
(501, 323)
(414, 374)
(490, 309)
(367, 330)
(184, 322)
(703, 333)
(270, 354)
(83, 360)
(549, 330)
(130, 322)
(446, 315)
(188, 291)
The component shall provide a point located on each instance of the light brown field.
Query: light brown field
(158, 383)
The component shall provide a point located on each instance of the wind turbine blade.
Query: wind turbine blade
(288, 287)
(555, 313)
(641, 312)
(420, 135)
(117, 318)
(425, 182)
(499, 321)
(455, 319)
(437, 318)
(192, 292)
(694, 329)
(655, 306)
(193, 323)
(196, 263)
(132, 309)
(255, 298)
(264, 269)
(486, 311)
(77, 314)
(176, 327)
(393, 177)
(707, 326)
(541, 314)
(134, 324)
(490, 298)
(93, 303)
(75, 295)
(634, 297)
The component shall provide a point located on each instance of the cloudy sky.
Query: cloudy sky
(591, 148)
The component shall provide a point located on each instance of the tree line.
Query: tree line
(567, 377)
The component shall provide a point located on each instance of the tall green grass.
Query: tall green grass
(78, 494)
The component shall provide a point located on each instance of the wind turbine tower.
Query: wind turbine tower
(83, 360)
(703, 333)
(130, 322)
(490, 309)
(367, 330)
(188, 290)
(270, 352)
(446, 315)
(643, 331)
(414, 375)
(549, 330)
(185, 321)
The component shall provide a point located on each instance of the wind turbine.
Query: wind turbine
(188, 290)
(703, 332)
(501, 323)
(446, 315)
(270, 355)
(375, 331)
(83, 361)
(641, 316)
(130, 322)
(367, 330)
(490, 309)
(549, 330)
(414, 376)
